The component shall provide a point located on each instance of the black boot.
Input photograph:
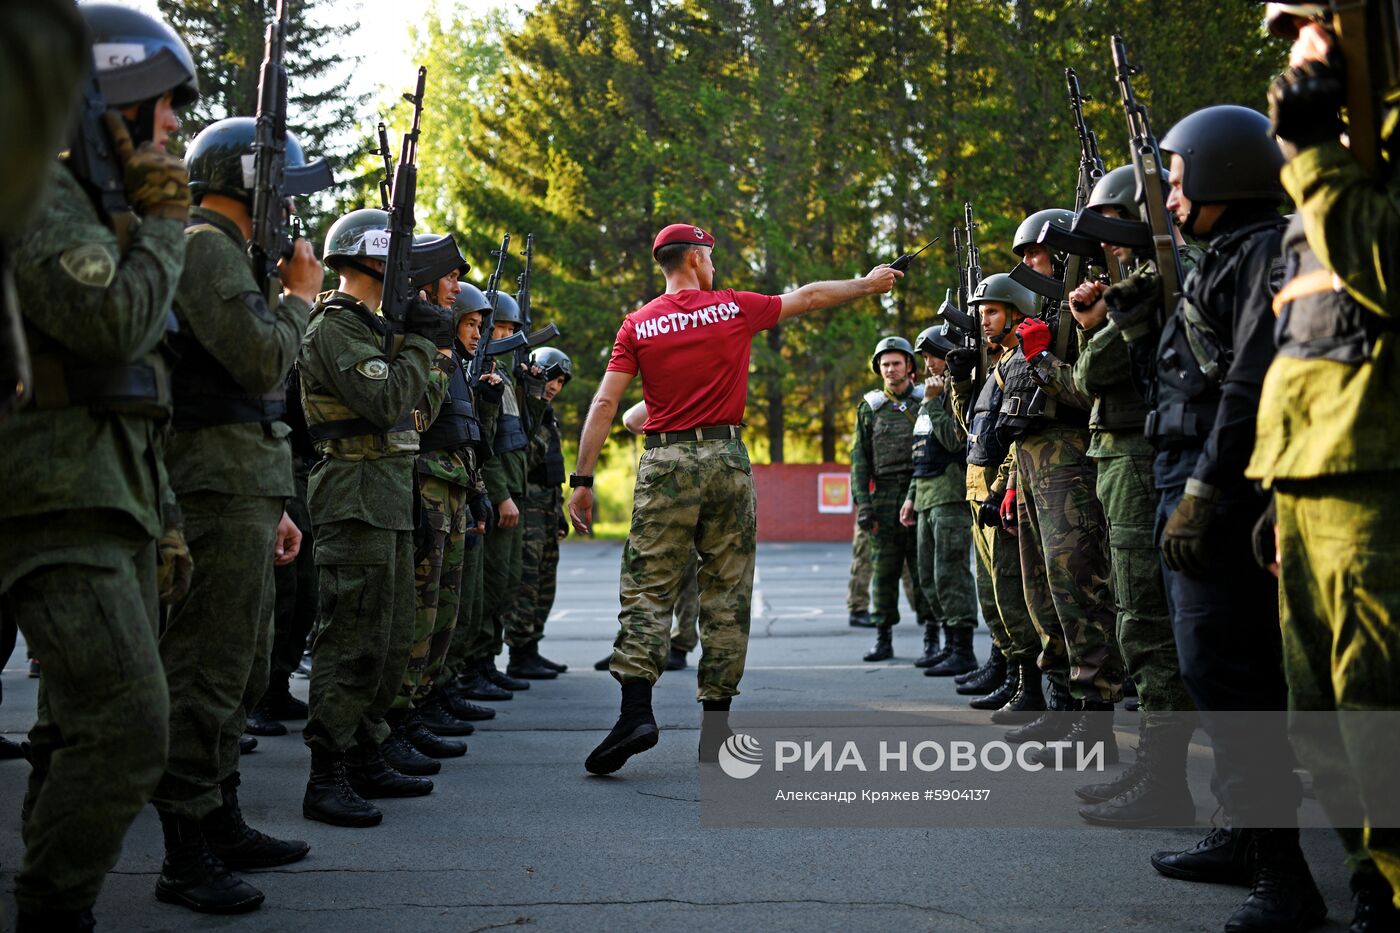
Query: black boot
(10, 749)
(278, 703)
(1093, 726)
(634, 732)
(714, 728)
(1375, 908)
(259, 723)
(461, 707)
(860, 618)
(1004, 692)
(330, 798)
(960, 658)
(411, 728)
(1158, 796)
(554, 666)
(931, 647)
(1284, 898)
(192, 877)
(884, 645)
(984, 679)
(1224, 856)
(505, 681)
(55, 921)
(439, 718)
(676, 661)
(373, 778)
(473, 685)
(400, 755)
(603, 664)
(1028, 702)
(1050, 725)
(246, 744)
(524, 664)
(239, 846)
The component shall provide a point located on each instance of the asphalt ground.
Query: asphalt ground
(518, 834)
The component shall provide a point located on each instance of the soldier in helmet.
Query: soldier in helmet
(230, 465)
(1210, 362)
(1153, 791)
(1062, 534)
(881, 471)
(78, 550)
(545, 523)
(1002, 304)
(360, 403)
(1326, 445)
(934, 507)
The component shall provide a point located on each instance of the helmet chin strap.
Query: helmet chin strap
(143, 128)
(1190, 225)
(376, 274)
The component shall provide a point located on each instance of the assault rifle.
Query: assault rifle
(273, 182)
(399, 287)
(1368, 34)
(961, 321)
(488, 320)
(384, 153)
(524, 339)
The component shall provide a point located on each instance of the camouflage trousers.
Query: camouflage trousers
(504, 548)
(1341, 651)
(295, 612)
(469, 615)
(894, 554)
(98, 744)
(539, 566)
(685, 634)
(1064, 562)
(695, 496)
(1003, 596)
(863, 569)
(363, 633)
(945, 577)
(1129, 499)
(437, 581)
(215, 644)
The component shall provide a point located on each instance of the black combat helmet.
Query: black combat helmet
(507, 311)
(1229, 155)
(434, 255)
(360, 234)
(1029, 230)
(220, 161)
(934, 340)
(1117, 189)
(890, 345)
(554, 363)
(138, 56)
(469, 299)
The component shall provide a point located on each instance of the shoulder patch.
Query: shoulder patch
(876, 399)
(93, 265)
(375, 368)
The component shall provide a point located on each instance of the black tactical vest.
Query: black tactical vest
(510, 426)
(1317, 318)
(456, 425)
(931, 458)
(551, 471)
(984, 447)
(206, 394)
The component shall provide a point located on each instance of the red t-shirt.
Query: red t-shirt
(692, 351)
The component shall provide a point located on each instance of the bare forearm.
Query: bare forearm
(595, 433)
(818, 296)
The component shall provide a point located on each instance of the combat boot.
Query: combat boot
(1054, 723)
(1093, 726)
(409, 727)
(400, 755)
(504, 681)
(714, 728)
(1153, 791)
(240, 846)
(554, 666)
(330, 798)
(450, 696)
(931, 647)
(1283, 897)
(55, 921)
(959, 659)
(884, 645)
(525, 665)
(246, 744)
(373, 778)
(1028, 702)
(1375, 907)
(986, 679)
(1004, 693)
(439, 719)
(675, 661)
(634, 732)
(10, 749)
(604, 664)
(860, 618)
(191, 876)
(473, 685)
(278, 703)
(1224, 856)
(259, 723)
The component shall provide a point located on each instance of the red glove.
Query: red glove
(1008, 510)
(1035, 337)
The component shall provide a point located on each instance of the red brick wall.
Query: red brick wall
(787, 503)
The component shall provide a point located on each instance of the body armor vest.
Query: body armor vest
(930, 457)
(890, 430)
(456, 425)
(984, 447)
(206, 395)
(1317, 318)
(551, 472)
(510, 428)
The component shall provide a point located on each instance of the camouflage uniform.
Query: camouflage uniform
(230, 464)
(542, 515)
(880, 451)
(361, 498)
(944, 536)
(295, 608)
(693, 495)
(685, 634)
(1326, 446)
(77, 548)
(863, 569)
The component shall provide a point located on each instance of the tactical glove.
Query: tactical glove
(865, 517)
(1304, 104)
(431, 322)
(989, 512)
(533, 384)
(1035, 337)
(961, 362)
(483, 512)
(1133, 302)
(1007, 512)
(175, 567)
(490, 393)
(156, 182)
(1184, 537)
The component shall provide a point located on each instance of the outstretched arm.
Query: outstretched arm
(818, 296)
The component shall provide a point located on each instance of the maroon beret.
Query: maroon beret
(681, 233)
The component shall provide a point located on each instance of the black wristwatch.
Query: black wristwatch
(575, 481)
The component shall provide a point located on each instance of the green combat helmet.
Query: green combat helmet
(1029, 230)
(220, 161)
(1117, 189)
(553, 363)
(1229, 155)
(138, 56)
(359, 235)
(1005, 290)
(934, 340)
(890, 345)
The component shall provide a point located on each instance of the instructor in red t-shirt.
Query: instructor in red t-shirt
(694, 484)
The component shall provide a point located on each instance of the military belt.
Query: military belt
(724, 432)
(58, 385)
(360, 427)
(210, 411)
